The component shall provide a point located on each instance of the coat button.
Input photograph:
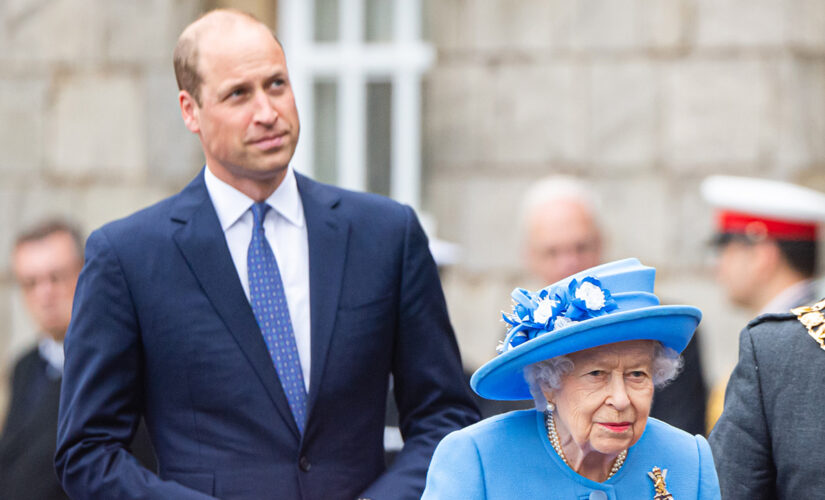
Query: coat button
(598, 495)
(304, 464)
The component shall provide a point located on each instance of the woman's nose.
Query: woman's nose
(618, 397)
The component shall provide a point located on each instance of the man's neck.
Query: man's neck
(775, 287)
(259, 189)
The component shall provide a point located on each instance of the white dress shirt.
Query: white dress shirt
(285, 229)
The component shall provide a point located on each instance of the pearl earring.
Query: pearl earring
(551, 407)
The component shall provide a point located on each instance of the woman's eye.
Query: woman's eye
(596, 373)
(638, 374)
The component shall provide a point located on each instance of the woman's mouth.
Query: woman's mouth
(616, 426)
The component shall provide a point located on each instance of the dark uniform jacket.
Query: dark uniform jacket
(769, 442)
(27, 443)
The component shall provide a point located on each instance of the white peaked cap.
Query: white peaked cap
(763, 197)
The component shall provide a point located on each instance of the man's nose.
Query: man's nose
(265, 112)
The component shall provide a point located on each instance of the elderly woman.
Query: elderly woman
(590, 351)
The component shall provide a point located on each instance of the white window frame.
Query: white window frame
(352, 63)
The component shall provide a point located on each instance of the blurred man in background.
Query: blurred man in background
(562, 237)
(766, 237)
(767, 233)
(46, 262)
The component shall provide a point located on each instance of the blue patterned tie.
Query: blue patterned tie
(266, 294)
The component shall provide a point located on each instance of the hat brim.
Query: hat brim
(502, 378)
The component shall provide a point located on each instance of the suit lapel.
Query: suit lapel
(327, 233)
(203, 245)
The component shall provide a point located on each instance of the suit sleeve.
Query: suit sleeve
(100, 401)
(432, 396)
(740, 440)
(455, 471)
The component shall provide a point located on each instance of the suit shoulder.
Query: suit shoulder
(351, 200)
(147, 218)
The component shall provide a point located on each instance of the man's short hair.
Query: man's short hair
(49, 227)
(185, 57)
(800, 255)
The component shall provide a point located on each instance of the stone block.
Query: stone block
(719, 112)
(533, 114)
(600, 25)
(486, 231)
(528, 25)
(23, 111)
(98, 128)
(805, 24)
(624, 111)
(636, 218)
(474, 301)
(740, 23)
(42, 32)
(692, 225)
(450, 132)
(174, 153)
(449, 24)
(664, 24)
(801, 117)
(104, 203)
(144, 31)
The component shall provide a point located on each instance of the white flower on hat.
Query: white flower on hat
(544, 311)
(563, 321)
(592, 295)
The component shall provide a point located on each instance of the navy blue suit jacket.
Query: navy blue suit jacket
(161, 327)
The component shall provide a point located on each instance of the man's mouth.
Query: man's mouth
(270, 141)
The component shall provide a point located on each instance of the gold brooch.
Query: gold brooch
(813, 319)
(658, 476)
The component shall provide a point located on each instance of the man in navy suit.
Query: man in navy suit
(254, 318)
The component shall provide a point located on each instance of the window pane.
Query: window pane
(326, 20)
(378, 24)
(326, 126)
(379, 137)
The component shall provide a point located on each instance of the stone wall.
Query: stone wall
(641, 98)
(89, 127)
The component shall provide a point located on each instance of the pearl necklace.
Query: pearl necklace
(550, 423)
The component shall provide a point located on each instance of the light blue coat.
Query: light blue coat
(509, 456)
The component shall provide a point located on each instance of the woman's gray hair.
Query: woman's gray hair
(548, 374)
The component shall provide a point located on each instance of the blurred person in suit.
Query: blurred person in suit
(256, 317)
(766, 236)
(562, 236)
(46, 261)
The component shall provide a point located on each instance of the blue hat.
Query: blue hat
(602, 305)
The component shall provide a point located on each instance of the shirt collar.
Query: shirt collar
(52, 351)
(230, 204)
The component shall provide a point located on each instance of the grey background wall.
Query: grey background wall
(643, 98)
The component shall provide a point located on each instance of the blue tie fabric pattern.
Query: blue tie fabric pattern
(268, 300)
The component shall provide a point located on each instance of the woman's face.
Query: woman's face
(603, 403)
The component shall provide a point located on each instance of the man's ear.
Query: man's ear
(190, 111)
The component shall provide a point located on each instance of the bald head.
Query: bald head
(210, 24)
(561, 235)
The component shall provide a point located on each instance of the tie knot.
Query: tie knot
(259, 212)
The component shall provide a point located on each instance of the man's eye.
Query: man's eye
(236, 93)
(278, 82)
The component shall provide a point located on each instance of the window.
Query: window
(356, 69)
